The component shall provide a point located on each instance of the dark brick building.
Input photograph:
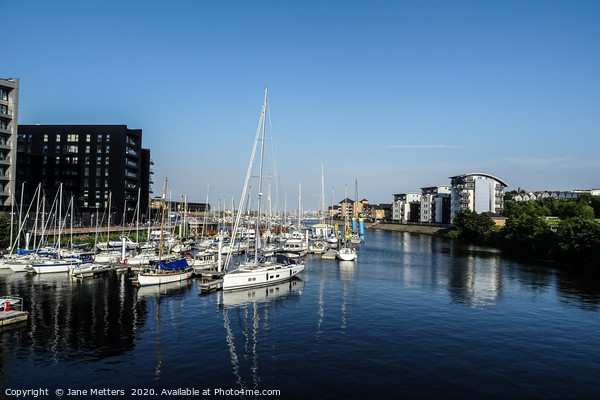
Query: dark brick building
(92, 162)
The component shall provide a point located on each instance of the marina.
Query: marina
(415, 314)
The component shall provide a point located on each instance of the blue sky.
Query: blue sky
(396, 95)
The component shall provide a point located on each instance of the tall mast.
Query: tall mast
(262, 151)
(162, 221)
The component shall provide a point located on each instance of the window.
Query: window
(45, 138)
(57, 160)
(99, 138)
(72, 138)
(88, 138)
(58, 137)
(87, 149)
(3, 94)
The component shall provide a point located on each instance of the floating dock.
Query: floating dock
(211, 286)
(11, 311)
(329, 255)
(12, 317)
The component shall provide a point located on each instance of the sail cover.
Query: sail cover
(177, 264)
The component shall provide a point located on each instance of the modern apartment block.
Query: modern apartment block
(93, 163)
(477, 192)
(9, 107)
(435, 204)
(406, 207)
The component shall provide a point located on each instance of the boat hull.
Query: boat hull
(162, 277)
(53, 267)
(346, 255)
(262, 276)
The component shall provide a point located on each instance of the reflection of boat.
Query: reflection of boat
(264, 294)
(251, 309)
(167, 288)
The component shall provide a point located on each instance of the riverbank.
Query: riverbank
(421, 229)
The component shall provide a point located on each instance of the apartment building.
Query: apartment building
(96, 164)
(477, 192)
(435, 204)
(406, 207)
(9, 111)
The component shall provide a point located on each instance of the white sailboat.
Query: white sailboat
(260, 270)
(346, 252)
(165, 272)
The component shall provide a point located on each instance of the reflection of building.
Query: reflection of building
(9, 105)
(406, 207)
(477, 192)
(435, 204)
(476, 281)
(91, 161)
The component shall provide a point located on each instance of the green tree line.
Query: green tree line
(573, 236)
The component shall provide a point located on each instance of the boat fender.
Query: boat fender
(7, 306)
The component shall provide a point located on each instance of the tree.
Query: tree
(4, 231)
(579, 240)
(473, 227)
(528, 233)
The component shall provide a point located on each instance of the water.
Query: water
(415, 317)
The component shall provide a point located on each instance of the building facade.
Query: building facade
(435, 204)
(406, 207)
(9, 112)
(96, 164)
(477, 192)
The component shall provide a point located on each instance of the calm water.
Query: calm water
(415, 317)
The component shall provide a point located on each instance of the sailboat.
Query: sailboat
(260, 269)
(165, 272)
(346, 252)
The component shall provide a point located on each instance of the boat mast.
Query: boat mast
(260, 174)
(162, 220)
(245, 188)
(322, 193)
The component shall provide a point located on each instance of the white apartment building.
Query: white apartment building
(406, 207)
(432, 204)
(477, 192)
(9, 106)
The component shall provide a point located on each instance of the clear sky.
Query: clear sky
(396, 95)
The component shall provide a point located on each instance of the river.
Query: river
(416, 317)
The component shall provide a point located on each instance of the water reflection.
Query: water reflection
(476, 282)
(243, 311)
